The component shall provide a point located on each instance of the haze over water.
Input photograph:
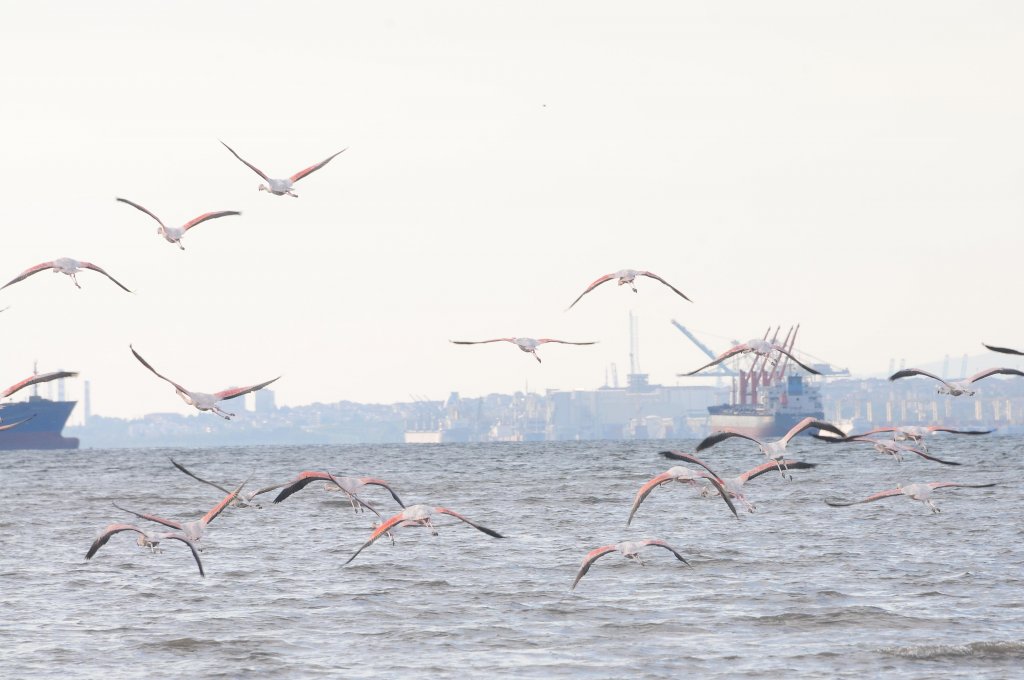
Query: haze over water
(797, 589)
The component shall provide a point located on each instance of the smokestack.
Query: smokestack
(86, 403)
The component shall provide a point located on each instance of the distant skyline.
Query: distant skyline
(855, 168)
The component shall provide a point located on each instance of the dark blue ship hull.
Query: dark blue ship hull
(43, 431)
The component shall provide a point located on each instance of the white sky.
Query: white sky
(854, 167)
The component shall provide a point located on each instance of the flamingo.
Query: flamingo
(734, 485)
(202, 400)
(775, 450)
(891, 448)
(1004, 350)
(629, 549)
(956, 387)
(917, 492)
(914, 433)
(347, 485)
(759, 347)
(280, 187)
(418, 515)
(147, 539)
(627, 276)
(174, 234)
(195, 529)
(241, 500)
(683, 475)
(63, 265)
(35, 379)
(525, 344)
(16, 423)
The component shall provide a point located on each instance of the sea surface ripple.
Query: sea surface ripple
(796, 589)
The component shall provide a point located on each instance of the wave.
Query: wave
(1001, 649)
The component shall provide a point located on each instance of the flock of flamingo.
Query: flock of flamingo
(729, 489)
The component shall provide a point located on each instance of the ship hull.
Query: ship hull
(43, 431)
(757, 424)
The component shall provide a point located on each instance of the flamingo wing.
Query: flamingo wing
(105, 535)
(1004, 350)
(798, 362)
(658, 278)
(595, 284)
(679, 455)
(717, 437)
(146, 364)
(42, 266)
(36, 379)
(489, 532)
(662, 544)
(378, 532)
(233, 392)
(908, 372)
(810, 422)
(589, 560)
(313, 168)
(195, 477)
(727, 354)
(299, 483)
(224, 502)
(97, 268)
(772, 466)
(251, 166)
(16, 423)
(191, 546)
(152, 518)
(163, 227)
(938, 428)
(874, 497)
(646, 490)
(942, 485)
(993, 371)
(208, 216)
(927, 456)
(373, 481)
(724, 494)
(480, 342)
(541, 341)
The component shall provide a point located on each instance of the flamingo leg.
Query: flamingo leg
(75, 279)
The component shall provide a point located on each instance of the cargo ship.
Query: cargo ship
(44, 429)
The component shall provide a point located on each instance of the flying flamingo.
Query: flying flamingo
(202, 400)
(775, 450)
(174, 234)
(418, 515)
(241, 500)
(734, 485)
(629, 549)
(193, 530)
(347, 485)
(63, 265)
(917, 492)
(891, 448)
(759, 347)
(525, 344)
(914, 433)
(683, 475)
(16, 423)
(147, 539)
(35, 379)
(627, 276)
(1004, 350)
(956, 387)
(280, 187)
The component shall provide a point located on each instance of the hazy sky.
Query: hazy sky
(854, 167)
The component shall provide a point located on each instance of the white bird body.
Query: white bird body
(956, 388)
(528, 345)
(281, 187)
(202, 400)
(63, 265)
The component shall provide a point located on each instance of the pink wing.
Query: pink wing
(489, 532)
(139, 207)
(941, 485)
(772, 466)
(798, 362)
(595, 284)
(36, 379)
(873, 497)
(96, 268)
(658, 278)
(373, 481)
(225, 502)
(208, 216)
(16, 423)
(313, 168)
(589, 560)
(727, 354)
(105, 535)
(152, 518)
(43, 266)
(144, 363)
(1004, 350)
(679, 455)
(239, 391)
(480, 342)
(994, 371)
(662, 544)
(251, 166)
(378, 532)
(541, 341)
(645, 491)
(908, 372)
(808, 423)
(717, 437)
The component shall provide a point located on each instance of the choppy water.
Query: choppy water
(798, 589)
